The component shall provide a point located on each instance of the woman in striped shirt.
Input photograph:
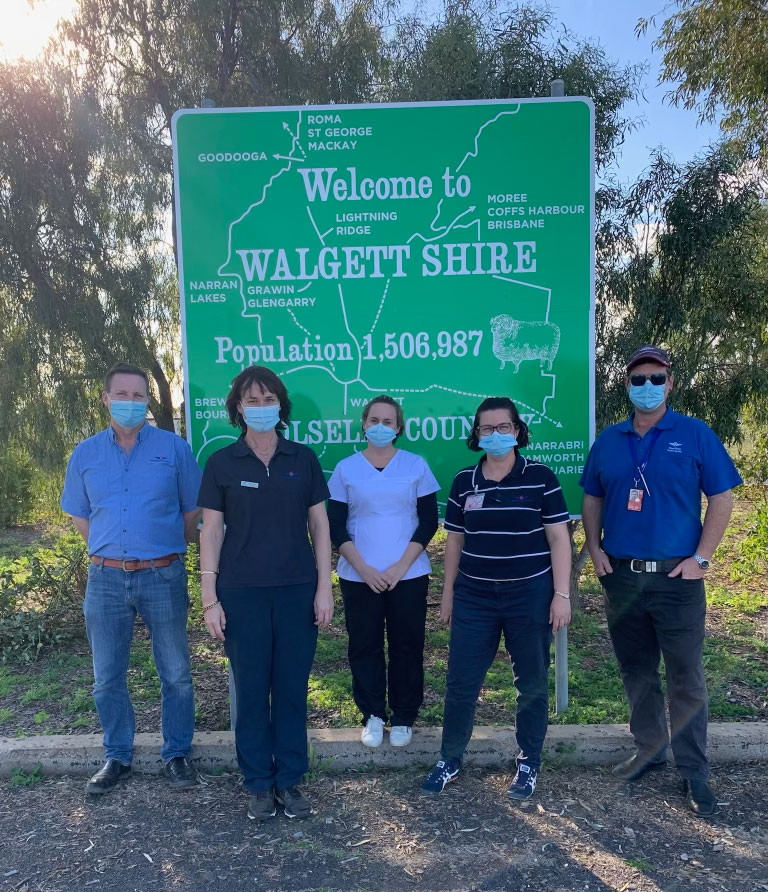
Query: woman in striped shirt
(507, 569)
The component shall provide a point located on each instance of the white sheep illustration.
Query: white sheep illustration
(516, 342)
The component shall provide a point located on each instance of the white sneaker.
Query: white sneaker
(373, 732)
(400, 735)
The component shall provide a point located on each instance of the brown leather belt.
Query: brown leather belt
(130, 565)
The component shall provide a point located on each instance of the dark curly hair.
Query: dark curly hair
(265, 379)
(499, 402)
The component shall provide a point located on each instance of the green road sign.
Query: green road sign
(438, 252)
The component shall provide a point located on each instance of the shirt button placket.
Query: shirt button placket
(124, 514)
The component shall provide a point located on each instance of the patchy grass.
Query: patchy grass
(55, 692)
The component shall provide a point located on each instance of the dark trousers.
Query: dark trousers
(481, 612)
(270, 639)
(403, 611)
(650, 615)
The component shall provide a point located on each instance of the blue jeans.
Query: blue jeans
(112, 599)
(481, 612)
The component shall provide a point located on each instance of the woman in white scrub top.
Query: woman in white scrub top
(383, 513)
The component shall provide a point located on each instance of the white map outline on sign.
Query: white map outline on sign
(533, 415)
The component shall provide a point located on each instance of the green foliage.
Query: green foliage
(715, 54)
(687, 267)
(16, 476)
(5, 715)
(21, 778)
(41, 598)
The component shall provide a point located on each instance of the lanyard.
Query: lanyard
(640, 468)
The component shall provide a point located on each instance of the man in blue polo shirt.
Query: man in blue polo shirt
(642, 517)
(131, 491)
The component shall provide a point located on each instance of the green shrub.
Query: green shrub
(16, 490)
(41, 598)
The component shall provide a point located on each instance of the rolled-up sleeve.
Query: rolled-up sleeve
(189, 476)
(74, 497)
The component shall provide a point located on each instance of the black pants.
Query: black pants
(650, 614)
(481, 612)
(403, 611)
(270, 639)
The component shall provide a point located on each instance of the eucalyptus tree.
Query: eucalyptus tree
(715, 56)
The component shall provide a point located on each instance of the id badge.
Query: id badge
(635, 500)
(474, 501)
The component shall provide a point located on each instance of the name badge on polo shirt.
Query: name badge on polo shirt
(474, 501)
(635, 500)
(249, 483)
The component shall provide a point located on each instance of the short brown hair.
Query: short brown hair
(499, 402)
(389, 401)
(266, 379)
(124, 368)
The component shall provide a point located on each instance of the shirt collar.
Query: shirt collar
(141, 434)
(667, 421)
(242, 449)
(517, 470)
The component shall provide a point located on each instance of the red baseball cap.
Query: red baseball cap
(648, 353)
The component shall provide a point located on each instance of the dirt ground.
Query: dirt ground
(374, 832)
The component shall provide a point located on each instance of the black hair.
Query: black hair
(266, 380)
(499, 402)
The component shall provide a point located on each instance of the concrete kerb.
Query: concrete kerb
(339, 749)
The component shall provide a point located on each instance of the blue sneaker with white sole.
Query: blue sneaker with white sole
(443, 773)
(524, 782)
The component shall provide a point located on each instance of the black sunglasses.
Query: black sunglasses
(656, 378)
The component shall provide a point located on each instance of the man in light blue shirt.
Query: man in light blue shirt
(131, 491)
(642, 517)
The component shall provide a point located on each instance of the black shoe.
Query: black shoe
(295, 803)
(699, 798)
(108, 777)
(638, 765)
(262, 805)
(180, 773)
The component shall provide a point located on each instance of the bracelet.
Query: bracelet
(212, 572)
(212, 604)
(563, 595)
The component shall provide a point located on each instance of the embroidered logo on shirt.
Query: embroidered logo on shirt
(292, 475)
(674, 446)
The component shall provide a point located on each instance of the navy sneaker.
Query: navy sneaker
(524, 784)
(444, 772)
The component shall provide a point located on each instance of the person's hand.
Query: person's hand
(446, 607)
(559, 613)
(600, 562)
(688, 569)
(375, 580)
(323, 606)
(215, 621)
(394, 574)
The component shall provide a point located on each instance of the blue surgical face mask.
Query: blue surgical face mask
(261, 418)
(497, 444)
(128, 413)
(648, 396)
(380, 434)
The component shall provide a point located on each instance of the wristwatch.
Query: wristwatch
(701, 561)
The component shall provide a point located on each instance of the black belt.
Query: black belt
(640, 565)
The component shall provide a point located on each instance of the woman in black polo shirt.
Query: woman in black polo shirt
(264, 591)
(507, 569)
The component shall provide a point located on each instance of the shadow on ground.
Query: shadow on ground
(375, 832)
